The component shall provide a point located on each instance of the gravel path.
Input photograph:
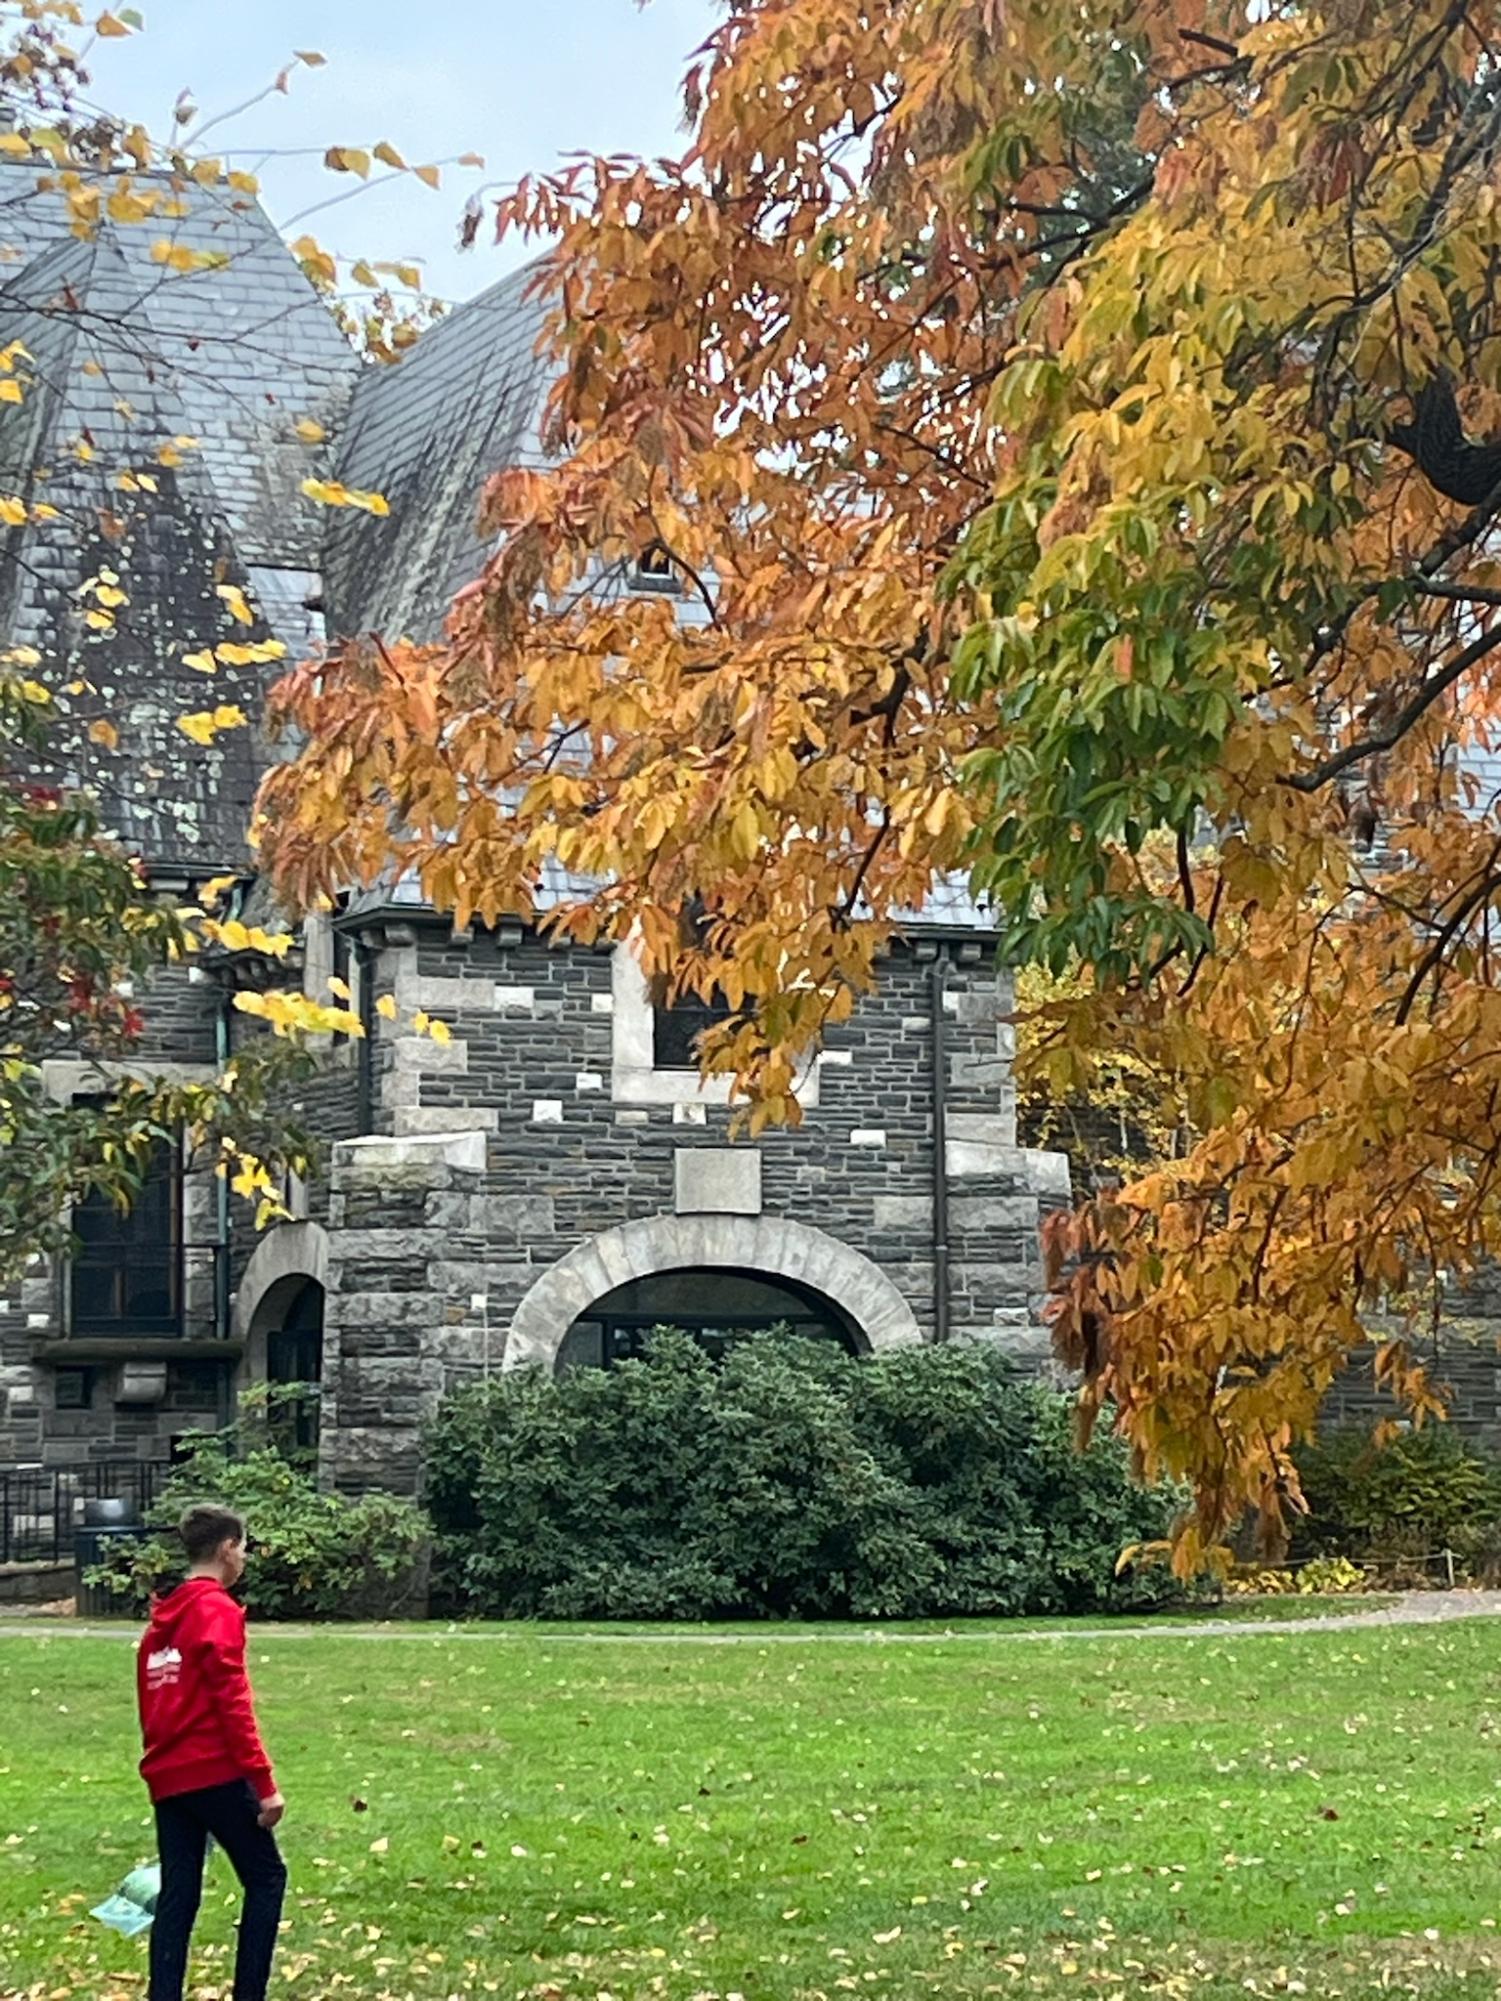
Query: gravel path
(1412, 1608)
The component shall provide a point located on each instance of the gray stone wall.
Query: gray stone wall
(136, 1407)
(509, 1149)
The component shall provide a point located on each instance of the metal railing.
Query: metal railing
(41, 1507)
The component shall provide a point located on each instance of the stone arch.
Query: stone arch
(282, 1264)
(774, 1245)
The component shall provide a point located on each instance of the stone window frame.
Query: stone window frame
(634, 1077)
(49, 1289)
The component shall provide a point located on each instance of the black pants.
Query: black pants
(231, 1814)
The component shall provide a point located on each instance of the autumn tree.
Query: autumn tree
(86, 930)
(1060, 420)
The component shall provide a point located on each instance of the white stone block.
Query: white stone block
(873, 1137)
(602, 1004)
(547, 1111)
(418, 1121)
(372, 1156)
(836, 1059)
(515, 1000)
(690, 1115)
(588, 1081)
(716, 1181)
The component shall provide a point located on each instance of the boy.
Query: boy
(205, 1766)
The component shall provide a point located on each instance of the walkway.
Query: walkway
(1412, 1608)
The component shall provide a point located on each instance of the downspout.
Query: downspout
(940, 1158)
(364, 960)
(221, 1220)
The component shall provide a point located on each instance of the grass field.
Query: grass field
(1187, 1814)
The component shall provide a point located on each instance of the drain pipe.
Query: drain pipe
(364, 1049)
(940, 1157)
(221, 1218)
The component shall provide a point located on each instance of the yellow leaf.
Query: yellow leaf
(311, 433)
(109, 25)
(348, 160)
(440, 1032)
(105, 733)
(200, 727)
(213, 890)
(340, 988)
(178, 257)
(10, 390)
(234, 599)
(230, 716)
(245, 184)
(311, 57)
(388, 156)
(15, 146)
(202, 662)
(12, 512)
(471, 159)
(332, 493)
(429, 175)
(385, 1007)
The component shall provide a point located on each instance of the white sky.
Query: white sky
(520, 81)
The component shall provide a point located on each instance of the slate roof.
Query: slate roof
(428, 432)
(233, 357)
(129, 354)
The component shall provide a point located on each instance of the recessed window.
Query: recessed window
(677, 1026)
(73, 1389)
(126, 1274)
(654, 570)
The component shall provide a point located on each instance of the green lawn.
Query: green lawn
(1202, 1813)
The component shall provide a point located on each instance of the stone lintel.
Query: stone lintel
(716, 1181)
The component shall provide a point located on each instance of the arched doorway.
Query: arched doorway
(278, 1317)
(716, 1307)
(811, 1276)
(294, 1354)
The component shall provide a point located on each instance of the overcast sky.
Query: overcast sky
(520, 81)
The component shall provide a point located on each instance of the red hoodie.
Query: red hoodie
(197, 1718)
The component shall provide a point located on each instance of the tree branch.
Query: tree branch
(1422, 701)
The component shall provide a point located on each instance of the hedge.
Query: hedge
(787, 1481)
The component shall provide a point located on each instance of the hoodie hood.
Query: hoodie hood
(169, 1611)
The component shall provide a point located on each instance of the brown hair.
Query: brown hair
(205, 1529)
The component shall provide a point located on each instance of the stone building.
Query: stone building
(556, 1179)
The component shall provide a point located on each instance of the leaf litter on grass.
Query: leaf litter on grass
(1111, 1819)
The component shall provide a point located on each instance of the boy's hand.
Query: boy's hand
(272, 1811)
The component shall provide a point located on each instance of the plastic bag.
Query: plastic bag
(133, 1906)
(130, 1910)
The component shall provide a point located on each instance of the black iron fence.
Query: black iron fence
(42, 1507)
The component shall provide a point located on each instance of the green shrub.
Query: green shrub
(788, 1481)
(1424, 1492)
(314, 1555)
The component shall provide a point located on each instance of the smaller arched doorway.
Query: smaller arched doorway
(278, 1317)
(714, 1305)
(288, 1334)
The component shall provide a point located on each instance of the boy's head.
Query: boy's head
(213, 1540)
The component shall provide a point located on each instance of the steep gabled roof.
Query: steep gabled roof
(127, 354)
(427, 433)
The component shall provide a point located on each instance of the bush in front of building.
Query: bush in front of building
(1400, 1507)
(314, 1555)
(787, 1481)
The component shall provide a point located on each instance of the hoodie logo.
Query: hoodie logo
(163, 1668)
